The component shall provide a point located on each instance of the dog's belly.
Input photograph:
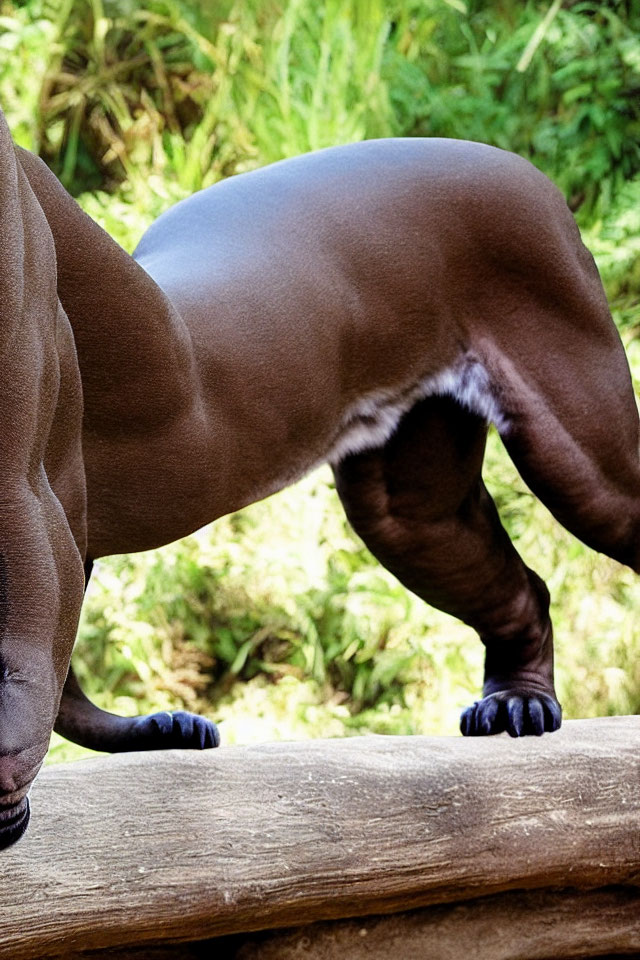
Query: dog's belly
(169, 486)
(373, 418)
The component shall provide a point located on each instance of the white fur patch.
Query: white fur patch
(372, 419)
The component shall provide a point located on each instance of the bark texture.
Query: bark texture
(486, 847)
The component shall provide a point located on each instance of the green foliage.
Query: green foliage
(25, 40)
(131, 90)
(195, 92)
(565, 95)
(136, 105)
(614, 240)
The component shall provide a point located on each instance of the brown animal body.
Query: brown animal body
(373, 306)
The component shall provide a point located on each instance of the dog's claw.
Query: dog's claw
(487, 718)
(515, 716)
(519, 714)
(536, 716)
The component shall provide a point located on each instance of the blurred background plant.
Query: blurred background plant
(276, 620)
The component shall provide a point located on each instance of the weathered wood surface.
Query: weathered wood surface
(516, 925)
(153, 848)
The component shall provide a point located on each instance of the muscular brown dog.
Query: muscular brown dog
(373, 305)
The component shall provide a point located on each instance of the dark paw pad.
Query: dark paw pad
(520, 714)
(178, 730)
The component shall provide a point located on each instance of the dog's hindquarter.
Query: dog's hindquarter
(306, 308)
(323, 303)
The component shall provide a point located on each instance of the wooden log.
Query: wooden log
(517, 925)
(141, 849)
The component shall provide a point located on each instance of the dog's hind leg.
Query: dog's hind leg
(573, 433)
(81, 721)
(554, 368)
(421, 507)
(557, 371)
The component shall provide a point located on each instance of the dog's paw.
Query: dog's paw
(178, 730)
(520, 714)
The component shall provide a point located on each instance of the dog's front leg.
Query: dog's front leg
(81, 721)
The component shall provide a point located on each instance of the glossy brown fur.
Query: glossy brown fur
(270, 323)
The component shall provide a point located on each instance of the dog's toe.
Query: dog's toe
(516, 712)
